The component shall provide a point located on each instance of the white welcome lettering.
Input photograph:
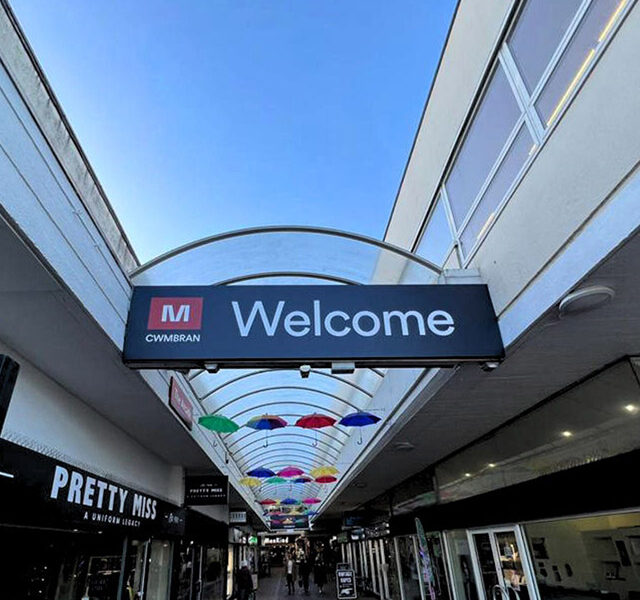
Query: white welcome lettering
(258, 308)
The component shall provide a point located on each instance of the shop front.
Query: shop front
(69, 534)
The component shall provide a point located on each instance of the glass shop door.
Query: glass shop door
(502, 565)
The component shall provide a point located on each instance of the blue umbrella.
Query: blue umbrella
(289, 501)
(359, 419)
(261, 472)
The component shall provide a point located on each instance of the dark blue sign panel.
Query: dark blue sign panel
(278, 522)
(248, 326)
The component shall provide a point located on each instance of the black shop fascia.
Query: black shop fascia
(40, 491)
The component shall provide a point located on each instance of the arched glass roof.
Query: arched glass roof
(291, 256)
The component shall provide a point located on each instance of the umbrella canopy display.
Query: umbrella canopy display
(261, 472)
(290, 472)
(320, 471)
(303, 479)
(290, 501)
(276, 480)
(218, 423)
(359, 419)
(315, 421)
(268, 502)
(250, 481)
(326, 479)
(312, 500)
(266, 422)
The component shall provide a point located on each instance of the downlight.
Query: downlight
(403, 446)
(585, 299)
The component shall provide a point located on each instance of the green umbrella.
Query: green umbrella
(276, 480)
(218, 423)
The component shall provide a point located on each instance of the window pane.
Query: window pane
(488, 133)
(535, 38)
(485, 212)
(589, 558)
(436, 239)
(576, 59)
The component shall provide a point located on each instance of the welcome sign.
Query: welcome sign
(286, 326)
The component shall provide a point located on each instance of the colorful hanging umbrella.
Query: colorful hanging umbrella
(261, 472)
(303, 479)
(250, 481)
(359, 419)
(268, 502)
(326, 479)
(276, 480)
(320, 471)
(290, 472)
(290, 501)
(312, 500)
(315, 421)
(266, 422)
(218, 423)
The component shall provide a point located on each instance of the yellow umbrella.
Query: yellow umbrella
(250, 481)
(322, 471)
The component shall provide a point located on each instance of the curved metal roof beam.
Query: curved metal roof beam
(295, 439)
(337, 415)
(289, 443)
(303, 459)
(287, 229)
(268, 458)
(277, 388)
(292, 432)
(264, 371)
(301, 274)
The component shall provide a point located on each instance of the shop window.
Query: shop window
(409, 570)
(592, 557)
(213, 580)
(486, 210)
(577, 58)
(436, 240)
(540, 28)
(462, 577)
(159, 570)
(492, 124)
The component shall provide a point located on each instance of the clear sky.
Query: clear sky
(202, 116)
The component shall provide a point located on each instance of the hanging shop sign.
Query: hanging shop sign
(249, 326)
(238, 516)
(203, 490)
(346, 584)
(180, 404)
(43, 491)
(278, 522)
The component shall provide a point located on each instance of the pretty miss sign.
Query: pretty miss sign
(286, 326)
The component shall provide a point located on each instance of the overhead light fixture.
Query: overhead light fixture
(403, 446)
(344, 368)
(305, 370)
(584, 299)
(211, 367)
(491, 465)
(5, 474)
(631, 408)
(467, 474)
(490, 365)
(566, 434)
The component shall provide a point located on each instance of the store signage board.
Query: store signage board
(279, 522)
(180, 404)
(286, 326)
(346, 584)
(206, 490)
(238, 516)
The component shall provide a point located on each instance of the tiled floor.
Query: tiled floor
(275, 588)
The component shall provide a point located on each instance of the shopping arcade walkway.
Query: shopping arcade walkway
(275, 587)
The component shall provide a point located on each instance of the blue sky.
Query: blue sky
(205, 116)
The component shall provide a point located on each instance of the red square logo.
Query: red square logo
(175, 313)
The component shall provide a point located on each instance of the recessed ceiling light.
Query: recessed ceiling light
(467, 474)
(566, 434)
(631, 408)
(491, 465)
(403, 446)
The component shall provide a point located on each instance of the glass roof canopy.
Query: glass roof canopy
(286, 256)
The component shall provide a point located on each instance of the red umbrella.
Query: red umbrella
(312, 500)
(268, 502)
(315, 421)
(326, 479)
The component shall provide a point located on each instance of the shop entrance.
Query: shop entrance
(501, 564)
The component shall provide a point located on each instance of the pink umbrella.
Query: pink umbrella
(312, 500)
(290, 472)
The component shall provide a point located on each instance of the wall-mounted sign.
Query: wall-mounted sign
(238, 516)
(346, 584)
(203, 490)
(249, 326)
(47, 492)
(180, 403)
